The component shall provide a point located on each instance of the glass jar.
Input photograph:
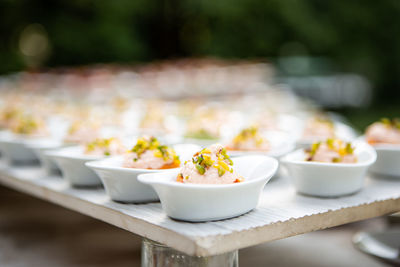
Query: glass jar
(158, 255)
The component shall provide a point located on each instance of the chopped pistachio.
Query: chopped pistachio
(386, 121)
(330, 142)
(349, 148)
(336, 145)
(207, 161)
(161, 151)
(201, 134)
(200, 169)
(336, 160)
(200, 159)
(314, 148)
(249, 133)
(221, 171)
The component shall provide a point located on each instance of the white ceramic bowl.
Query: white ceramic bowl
(71, 161)
(13, 148)
(39, 147)
(329, 179)
(281, 144)
(198, 202)
(388, 160)
(121, 183)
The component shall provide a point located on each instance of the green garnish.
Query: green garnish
(249, 133)
(386, 121)
(103, 143)
(395, 122)
(200, 169)
(151, 143)
(163, 150)
(207, 162)
(349, 148)
(226, 157)
(221, 171)
(314, 148)
(26, 124)
(144, 144)
(200, 159)
(203, 161)
(336, 160)
(335, 145)
(201, 134)
(330, 142)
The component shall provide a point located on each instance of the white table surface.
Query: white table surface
(281, 212)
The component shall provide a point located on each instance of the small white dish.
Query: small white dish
(13, 149)
(208, 202)
(41, 146)
(281, 144)
(71, 161)
(388, 160)
(329, 179)
(121, 183)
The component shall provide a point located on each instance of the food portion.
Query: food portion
(22, 121)
(203, 130)
(206, 124)
(385, 131)
(211, 165)
(319, 128)
(149, 153)
(266, 121)
(9, 115)
(154, 119)
(249, 139)
(332, 151)
(29, 125)
(104, 147)
(81, 133)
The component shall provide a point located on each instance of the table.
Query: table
(281, 212)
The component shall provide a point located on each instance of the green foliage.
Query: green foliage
(359, 36)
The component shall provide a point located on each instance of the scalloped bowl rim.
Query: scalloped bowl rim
(364, 147)
(104, 164)
(65, 153)
(143, 178)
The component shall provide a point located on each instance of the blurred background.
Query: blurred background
(345, 55)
